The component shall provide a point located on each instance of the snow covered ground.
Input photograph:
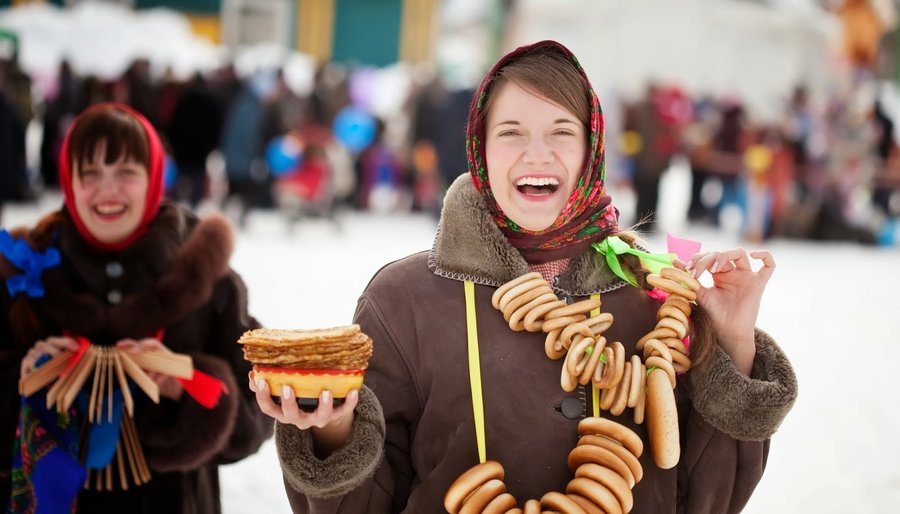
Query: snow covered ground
(835, 452)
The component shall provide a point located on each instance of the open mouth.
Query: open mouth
(534, 186)
(110, 210)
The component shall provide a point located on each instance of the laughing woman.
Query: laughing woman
(534, 201)
(117, 267)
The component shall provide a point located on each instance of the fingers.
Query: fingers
(768, 262)
(51, 346)
(725, 261)
(290, 413)
(144, 345)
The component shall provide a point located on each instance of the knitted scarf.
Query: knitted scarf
(587, 216)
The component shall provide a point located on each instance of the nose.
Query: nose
(537, 151)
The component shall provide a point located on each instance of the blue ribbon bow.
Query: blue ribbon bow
(31, 262)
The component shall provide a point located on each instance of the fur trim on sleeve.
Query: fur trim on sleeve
(345, 469)
(193, 434)
(746, 408)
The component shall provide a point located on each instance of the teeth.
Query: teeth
(534, 181)
(110, 209)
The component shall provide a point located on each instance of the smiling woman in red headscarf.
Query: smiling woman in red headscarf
(120, 267)
(453, 382)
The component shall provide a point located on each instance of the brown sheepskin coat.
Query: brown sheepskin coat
(414, 431)
(176, 277)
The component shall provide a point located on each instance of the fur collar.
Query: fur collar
(470, 246)
(170, 272)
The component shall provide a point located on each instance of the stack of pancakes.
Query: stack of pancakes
(309, 361)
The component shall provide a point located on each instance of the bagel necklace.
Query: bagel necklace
(605, 461)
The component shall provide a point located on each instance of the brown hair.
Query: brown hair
(550, 74)
(122, 132)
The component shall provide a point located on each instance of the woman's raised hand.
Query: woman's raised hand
(733, 300)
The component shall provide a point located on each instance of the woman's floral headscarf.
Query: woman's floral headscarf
(588, 215)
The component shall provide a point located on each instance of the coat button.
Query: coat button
(114, 269)
(114, 297)
(572, 408)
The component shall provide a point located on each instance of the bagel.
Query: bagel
(575, 328)
(668, 310)
(516, 318)
(563, 322)
(663, 364)
(583, 307)
(500, 505)
(615, 431)
(630, 460)
(656, 347)
(641, 405)
(550, 345)
(656, 333)
(605, 372)
(599, 323)
(596, 492)
(469, 481)
(680, 303)
(621, 400)
(634, 389)
(679, 327)
(612, 481)
(593, 361)
(586, 505)
(680, 362)
(534, 319)
(519, 290)
(524, 299)
(502, 290)
(662, 420)
(674, 344)
(593, 454)
(531, 507)
(561, 503)
(478, 500)
(672, 287)
(682, 276)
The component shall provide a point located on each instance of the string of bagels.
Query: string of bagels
(605, 461)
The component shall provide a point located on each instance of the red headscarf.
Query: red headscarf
(154, 172)
(588, 215)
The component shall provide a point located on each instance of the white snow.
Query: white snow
(833, 454)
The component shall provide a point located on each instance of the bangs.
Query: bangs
(123, 134)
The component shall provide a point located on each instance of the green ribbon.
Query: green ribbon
(613, 246)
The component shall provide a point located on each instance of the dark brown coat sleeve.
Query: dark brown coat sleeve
(727, 428)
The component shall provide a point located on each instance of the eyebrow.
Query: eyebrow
(513, 122)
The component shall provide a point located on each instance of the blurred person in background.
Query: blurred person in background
(242, 144)
(143, 275)
(381, 183)
(194, 133)
(60, 109)
(651, 118)
(534, 200)
(13, 171)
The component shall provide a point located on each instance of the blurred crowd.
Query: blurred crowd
(827, 170)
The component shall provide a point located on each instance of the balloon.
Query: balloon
(283, 154)
(354, 128)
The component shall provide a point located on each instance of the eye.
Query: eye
(88, 173)
(508, 133)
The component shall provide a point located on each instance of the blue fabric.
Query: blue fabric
(57, 478)
(103, 434)
(46, 475)
(31, 263)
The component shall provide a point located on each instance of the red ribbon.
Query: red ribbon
(205, 389)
